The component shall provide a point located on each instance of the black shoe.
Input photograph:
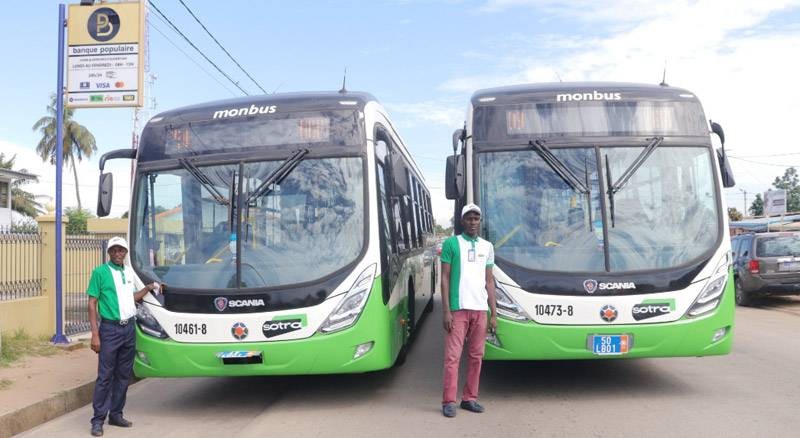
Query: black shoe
(97, 430)
(121, 422)
(449, 410)
(472, 406)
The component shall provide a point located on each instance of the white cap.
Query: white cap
(470, 207)
(116, 241)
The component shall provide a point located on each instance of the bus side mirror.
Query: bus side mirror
(717, 129)
(725, 169)
(454, 177)
(458, 136)
(104, 194)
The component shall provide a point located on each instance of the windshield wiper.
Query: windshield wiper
(648, 150)
(610, 191)
(559, 167)
(277, 175)
(203, 179)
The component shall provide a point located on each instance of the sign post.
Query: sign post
(105, 55)
(59, 337)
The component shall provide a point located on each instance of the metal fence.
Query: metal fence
(81, 255)
(20, 264)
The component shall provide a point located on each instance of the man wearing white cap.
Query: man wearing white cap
(467, 294)
(113, 290)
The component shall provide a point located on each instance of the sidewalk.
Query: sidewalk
(35, 389)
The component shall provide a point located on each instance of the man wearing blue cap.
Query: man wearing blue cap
(467, 294)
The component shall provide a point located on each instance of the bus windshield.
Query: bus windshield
(307, 227)
(664, 216)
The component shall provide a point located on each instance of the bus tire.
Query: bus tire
(412, 316)
(429, 306)
(742, 298)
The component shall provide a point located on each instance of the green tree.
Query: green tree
(734, 214)
(757, 207)
(77, 141)
(77, 220)
(790, 181)
(22, 201)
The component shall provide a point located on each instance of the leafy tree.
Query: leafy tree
(77, 220)
(734, 214)
(757, 207)
(790, 181)
(21, 201)
(77, 141)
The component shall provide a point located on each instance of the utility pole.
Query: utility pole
(744, 192)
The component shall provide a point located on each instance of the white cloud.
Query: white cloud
(446, 114)
(88, 174)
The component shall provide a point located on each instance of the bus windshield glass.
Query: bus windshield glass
(664, 216)
(172, 140)
(589, 118)
(305, 228)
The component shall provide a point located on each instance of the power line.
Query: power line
(763, 163)
(223, 48)
(151, 23)
(175, 28)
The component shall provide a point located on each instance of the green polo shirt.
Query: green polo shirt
(468, 258)
(113, 286)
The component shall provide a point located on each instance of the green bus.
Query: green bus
(293, 233)
(604, 203)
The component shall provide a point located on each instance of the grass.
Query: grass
(5, 384)
(20, 344)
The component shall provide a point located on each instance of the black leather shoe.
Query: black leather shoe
(121, 422)
(472, 406)
(97, 430)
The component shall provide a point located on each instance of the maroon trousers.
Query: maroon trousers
(469, 326)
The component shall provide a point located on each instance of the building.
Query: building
(7, 178)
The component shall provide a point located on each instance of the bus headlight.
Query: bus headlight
(148, 323)
(507, 307)
(711, 295)
(349, 309)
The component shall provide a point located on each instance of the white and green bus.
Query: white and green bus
(604, 203)
(293, 233)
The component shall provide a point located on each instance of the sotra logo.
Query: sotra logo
(239, 331)
(283, 324)
(652, 308)
(608, 313)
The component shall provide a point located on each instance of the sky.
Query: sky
(423, 59)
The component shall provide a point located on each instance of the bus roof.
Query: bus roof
(546, 91)
(298, 101)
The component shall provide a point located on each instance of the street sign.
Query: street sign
(105, 55)
(774, 202)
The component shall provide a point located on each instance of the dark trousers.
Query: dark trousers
(114, 369)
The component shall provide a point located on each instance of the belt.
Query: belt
(122, 322)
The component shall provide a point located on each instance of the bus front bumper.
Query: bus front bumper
(684, 337)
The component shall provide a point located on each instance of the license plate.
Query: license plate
(789, 266)
(610, 345)
(237, 354)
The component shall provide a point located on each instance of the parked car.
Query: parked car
(765, 264)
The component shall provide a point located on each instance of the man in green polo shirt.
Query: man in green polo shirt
(113, 290)
(467, 294)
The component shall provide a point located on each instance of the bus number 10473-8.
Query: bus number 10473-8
(553, 310)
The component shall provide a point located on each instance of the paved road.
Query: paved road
(754, 392)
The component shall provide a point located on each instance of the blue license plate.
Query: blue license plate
(610, 345)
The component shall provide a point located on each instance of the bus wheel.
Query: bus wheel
(742, 297)
(429, 306)
(412, 322)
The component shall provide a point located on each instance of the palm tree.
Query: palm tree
(77, 140)
(21, 200)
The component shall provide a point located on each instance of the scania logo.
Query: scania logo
(608, 313)
(617, 285)
(239, 331)
(283, 324)
(221, 303)
(589, 286)
(652, 308)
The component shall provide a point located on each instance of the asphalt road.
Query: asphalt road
(753, 392)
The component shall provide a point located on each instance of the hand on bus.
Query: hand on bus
(491, 325)
(448, 321)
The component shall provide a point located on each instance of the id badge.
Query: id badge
(471, 255)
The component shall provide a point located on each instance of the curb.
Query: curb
(41, 412)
